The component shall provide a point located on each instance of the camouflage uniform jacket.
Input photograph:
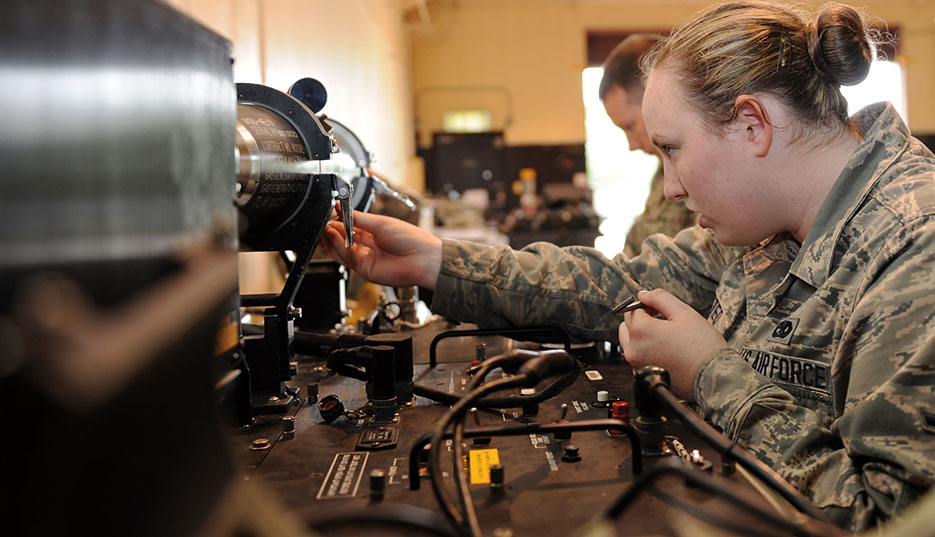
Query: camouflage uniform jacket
(830, 373)
(659, 216)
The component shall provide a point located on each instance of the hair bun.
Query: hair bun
(839, 46)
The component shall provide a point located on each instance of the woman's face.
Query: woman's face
(716, 176)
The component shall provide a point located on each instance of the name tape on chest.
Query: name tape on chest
(800, 376)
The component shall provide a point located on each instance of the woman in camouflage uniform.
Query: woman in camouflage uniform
(799, 314)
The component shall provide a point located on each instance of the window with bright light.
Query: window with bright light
(467, 121)
(620, 178)
(884, 83)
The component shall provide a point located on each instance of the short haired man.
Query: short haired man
(621, 91)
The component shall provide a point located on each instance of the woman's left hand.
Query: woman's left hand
(683, 342)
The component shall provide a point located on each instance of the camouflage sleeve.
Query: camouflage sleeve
(669, 220)
(575, 287)
(876, 454)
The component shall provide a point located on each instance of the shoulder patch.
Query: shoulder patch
(784, 330)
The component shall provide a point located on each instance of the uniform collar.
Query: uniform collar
(886, 137)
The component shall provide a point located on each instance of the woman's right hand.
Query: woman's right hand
(682, 341)
(386, 250)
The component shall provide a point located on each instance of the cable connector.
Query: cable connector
(548, 364)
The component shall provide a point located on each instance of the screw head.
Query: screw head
(260, 444)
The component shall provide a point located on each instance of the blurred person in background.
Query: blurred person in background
(621, 91)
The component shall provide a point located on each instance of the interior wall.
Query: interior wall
(522, 59)
(359, 49)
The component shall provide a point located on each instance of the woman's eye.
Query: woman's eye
(670, 150)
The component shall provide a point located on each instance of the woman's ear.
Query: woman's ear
(751, 119)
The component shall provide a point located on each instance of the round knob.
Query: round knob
(497, 474)
(377, 484)
(330, 407)
(620, 410)
(288, 427)
(571, 453)
(310, 92)
(497, 479)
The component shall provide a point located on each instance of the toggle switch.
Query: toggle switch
(478, 440)
(562, 435)
(529, 409)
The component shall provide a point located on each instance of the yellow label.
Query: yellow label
(481, 461)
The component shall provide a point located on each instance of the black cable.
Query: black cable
(554, 388)
(551, 390)
(463, 488)
(656, 382)
(533, 370)
(510, 361)
(718, 487)
(441, 496)
(708, 516)
(515, 333)
(379, 516)
(344, 360)
(524, 429)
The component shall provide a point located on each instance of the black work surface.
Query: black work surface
(544, 495)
